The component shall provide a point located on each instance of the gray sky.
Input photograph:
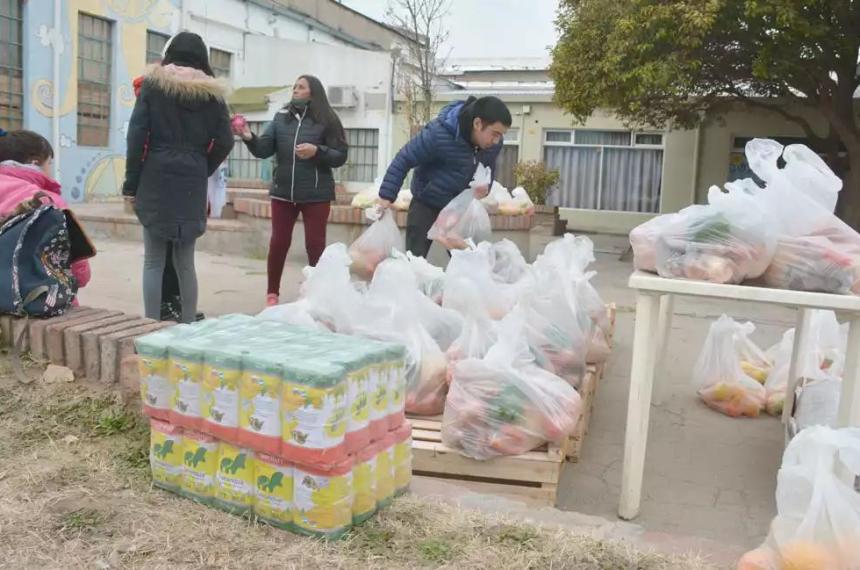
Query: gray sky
(489, 28)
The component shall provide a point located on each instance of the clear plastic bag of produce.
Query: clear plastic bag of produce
(504, 404)
(817, 525)
(730, 240)
(375, 244)
(367, 197)
(476, 264)
(519, 204)
(464, 217)
(479, 330)
(721, 381)
(813, 263)
(822, 356)
(331, 297)
(509, 265)
(404, 199)
(558, 340)
(643, 239)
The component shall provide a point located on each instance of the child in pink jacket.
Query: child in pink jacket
(25, 170)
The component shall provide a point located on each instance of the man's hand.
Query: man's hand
(481, 191)
(383, 203)
(306, 151)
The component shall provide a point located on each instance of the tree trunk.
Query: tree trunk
(848, 207)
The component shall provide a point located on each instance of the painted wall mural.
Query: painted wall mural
(87, 172)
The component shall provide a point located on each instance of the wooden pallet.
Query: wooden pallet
(531, 477)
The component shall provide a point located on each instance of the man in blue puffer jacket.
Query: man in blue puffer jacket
(445, 155)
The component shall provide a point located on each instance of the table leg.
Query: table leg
(800, 328)
(849, 401)
(639, 405)
(664, 328)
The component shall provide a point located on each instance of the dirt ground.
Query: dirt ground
(75, 493)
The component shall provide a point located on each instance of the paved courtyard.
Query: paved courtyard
(707, 476)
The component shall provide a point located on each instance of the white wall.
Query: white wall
(228, 24)
(368, 72)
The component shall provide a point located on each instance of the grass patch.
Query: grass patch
(437, 550)
(80, 521)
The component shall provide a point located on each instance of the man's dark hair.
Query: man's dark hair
(25, 147)
(491, 110)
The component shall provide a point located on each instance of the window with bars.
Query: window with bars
(95, 47)
(508, 158)
(155, 43)
(219, 61)
(11, 68)
(243, 165)
(363, 161)
(606, 170)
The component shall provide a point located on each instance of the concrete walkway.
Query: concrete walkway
(707, 476)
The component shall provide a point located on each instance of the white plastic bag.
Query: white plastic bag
(476, 264)
(430, 278)
(505, 405)
(478, 333)
(822, 356)
(509, 265)
(464, 217)
(519, 204)
(818, 403)
(375, 244)
(817, 525)
(331, 298)
(498, 194)
(721, 381)
(813, 263)
(297, 313)
(216, 191)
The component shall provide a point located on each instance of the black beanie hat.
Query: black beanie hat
(188, 50)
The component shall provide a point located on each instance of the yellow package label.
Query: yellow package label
(378, 390)
(358, 384)
(260, 403)
(364, 485)
(274, 494)
(200, 459)
(397, 388)
(402, 464)
(165, 458)
(155, 388)
(384, 475)
(322, 504)
(220, 395)
(185, 386)
(314, 418)
(234, 480)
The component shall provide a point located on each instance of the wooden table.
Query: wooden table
(655, 298)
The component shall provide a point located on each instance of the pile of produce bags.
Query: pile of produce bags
(818, 513)
(784, 235)
(452, 321)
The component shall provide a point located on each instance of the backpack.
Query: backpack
(35, 268)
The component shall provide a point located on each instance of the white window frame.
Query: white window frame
(632, 145)
(513, 142)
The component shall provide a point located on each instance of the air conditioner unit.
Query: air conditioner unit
(342, 96)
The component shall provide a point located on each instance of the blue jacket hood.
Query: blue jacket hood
(449, 116)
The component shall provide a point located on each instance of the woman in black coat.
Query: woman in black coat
(308, 141)
(178, 135)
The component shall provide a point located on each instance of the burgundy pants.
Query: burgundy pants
(284, 215)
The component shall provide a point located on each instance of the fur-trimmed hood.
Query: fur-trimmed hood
(186, 83)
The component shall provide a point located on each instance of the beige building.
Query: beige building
(612, 177)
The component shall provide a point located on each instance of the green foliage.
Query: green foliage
(656, 62)
(537, 179)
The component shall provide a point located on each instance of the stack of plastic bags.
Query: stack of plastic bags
(446, 319)
(817, 525)
(784, 235)
(304, 430)
(376, 244)
(514, 203)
